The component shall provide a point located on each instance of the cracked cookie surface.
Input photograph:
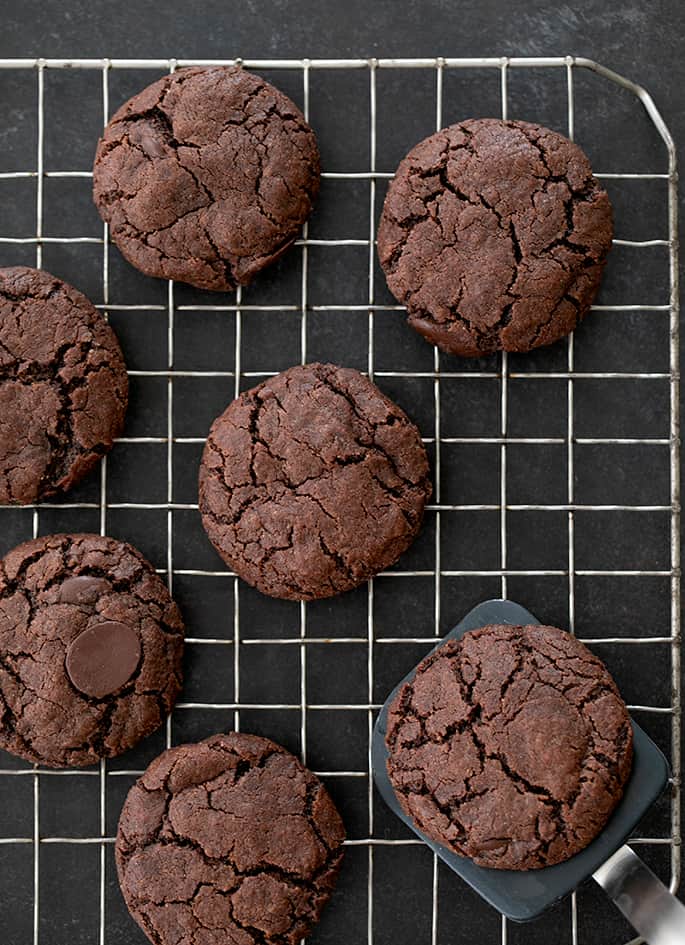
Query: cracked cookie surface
(63, 386)
(228, 840)
(206, 176)
(494, 234)
(312, 482)
(510, 746)
(91, 648)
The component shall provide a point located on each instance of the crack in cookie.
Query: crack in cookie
(206, 176)
(91, 649)
(312, 482)
(494, 234)
(510, 746)
(230, 839)
(63, 386)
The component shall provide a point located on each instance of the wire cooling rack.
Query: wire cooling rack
(333, 664)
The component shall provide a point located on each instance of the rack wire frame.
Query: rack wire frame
(438, 65)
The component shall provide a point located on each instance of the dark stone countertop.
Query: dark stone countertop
(643, 41)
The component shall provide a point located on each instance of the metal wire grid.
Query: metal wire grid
(371, 66)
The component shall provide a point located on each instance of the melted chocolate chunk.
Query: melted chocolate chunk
(103, 658)
(83, 589)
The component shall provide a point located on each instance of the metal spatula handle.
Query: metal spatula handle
(642, 898)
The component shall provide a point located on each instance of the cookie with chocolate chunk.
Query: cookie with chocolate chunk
(206, 176)
(312, 482)
(511, 746)
(494, 234)
(91, 646)
(228, 840)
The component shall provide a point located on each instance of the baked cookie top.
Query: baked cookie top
(63, 385)
(510, 746)
(494, 234)
(91, 648)
(312, 482)
(228, 840)
(206, 176)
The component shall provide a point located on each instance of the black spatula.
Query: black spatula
(523, 895)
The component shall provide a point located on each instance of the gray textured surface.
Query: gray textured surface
(640, 40)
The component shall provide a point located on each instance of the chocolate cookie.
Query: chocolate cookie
(206, 176)
(312, 482)
(90, 649)
(63, 386)
(510, 746)
(228, 840)
(494, 234)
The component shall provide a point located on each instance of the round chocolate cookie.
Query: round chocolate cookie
(312, 482)
(91, 649)
(494, 234)
(510, 746)
(206, 176)
(228, 840)
(63, 386)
